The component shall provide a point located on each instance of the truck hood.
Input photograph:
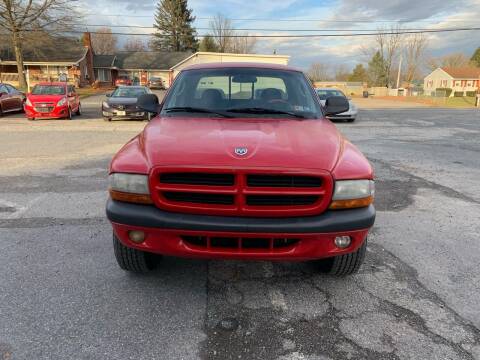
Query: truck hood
(281, 143)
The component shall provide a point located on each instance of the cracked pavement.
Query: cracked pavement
(416, 296)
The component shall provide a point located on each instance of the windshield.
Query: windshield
(324, 94)
(242, 92)
(48, 90)
(129, 92)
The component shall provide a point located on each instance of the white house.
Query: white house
(463, 79)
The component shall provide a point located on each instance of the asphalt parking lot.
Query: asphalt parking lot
(416, 297)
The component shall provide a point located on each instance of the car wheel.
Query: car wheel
(79, 110)
(107, 119)
(69, 116)
(30, 119)
(134, 260)
(351, 120)
(342, 265)
(1, 112)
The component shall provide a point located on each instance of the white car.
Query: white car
(350, 115)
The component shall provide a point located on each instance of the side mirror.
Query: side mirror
(336, 105)
(148, 103)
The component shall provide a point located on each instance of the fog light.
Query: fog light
(343, 241)
(136, 236)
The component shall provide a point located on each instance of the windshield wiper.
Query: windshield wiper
(258, 110)
(196, 110)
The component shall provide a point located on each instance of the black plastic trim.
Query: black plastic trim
(329, 221)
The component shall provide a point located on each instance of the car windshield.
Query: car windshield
(129, 92)
(48, 90)
(324, 94)
(242, 92)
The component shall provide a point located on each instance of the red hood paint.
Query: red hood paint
(45, 98)
(307, 144)
(277, 143)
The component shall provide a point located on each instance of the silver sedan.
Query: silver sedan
(350, 115)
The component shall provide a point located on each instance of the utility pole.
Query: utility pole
(399, 71)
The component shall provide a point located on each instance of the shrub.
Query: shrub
(471, 93)
(447, 91)
(458, 94)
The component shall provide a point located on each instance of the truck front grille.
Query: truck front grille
(241, 192)
(239, 243)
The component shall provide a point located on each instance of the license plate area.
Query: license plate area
(121, 113)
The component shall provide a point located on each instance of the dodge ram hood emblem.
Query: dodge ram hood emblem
(241, 151)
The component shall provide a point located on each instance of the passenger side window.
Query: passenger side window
(3, 89)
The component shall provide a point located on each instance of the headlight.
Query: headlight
(130, 188)
(105, 105)
(28, 102)
(62, 102)
(350, 194)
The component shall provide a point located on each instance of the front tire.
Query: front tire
(69, 115)
(79, 110)
(343, 265)
(133, 260)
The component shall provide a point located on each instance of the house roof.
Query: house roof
(463, 72)
(72, 51)
(103, 61)
(148, 60)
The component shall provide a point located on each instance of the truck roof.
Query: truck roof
(53, 83)
(223, 65)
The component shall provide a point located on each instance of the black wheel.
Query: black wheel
(351, 120)
(69, 116)
(134, 260)
(31, 119)
(79, 110)
(347, 264)
(1, 112)
(107, 119)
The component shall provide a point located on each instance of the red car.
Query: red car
(52, 100)
(241, 163)
(123, 80)
(11, 99)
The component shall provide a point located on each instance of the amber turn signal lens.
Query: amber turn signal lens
(351, 204)
(129, 197)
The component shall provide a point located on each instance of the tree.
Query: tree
(208, 44)
(175, 32)
(359, 74)
(104, 42)
(20, 18)
(376, 70)
(475, 59)
(318, 72)
(415, 46)
(222, 32)
(227, 41)
(341, 73)
(388, 44)
(134, 44)
(451, 60)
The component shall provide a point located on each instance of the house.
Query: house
(67, 59)
(142, 65)
(139, 66)
(464, 80)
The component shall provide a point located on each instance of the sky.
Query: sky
(291, 15)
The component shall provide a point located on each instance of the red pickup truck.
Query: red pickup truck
(241, 163)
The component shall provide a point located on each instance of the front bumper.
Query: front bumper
(120, 114)
(58, 112)
(313, 235)
(351, 114)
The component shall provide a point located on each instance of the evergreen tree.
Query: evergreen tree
(208, 44)
(377, 70)
(476, 57)
(359, 74)
(173, 21)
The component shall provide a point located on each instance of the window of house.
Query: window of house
(103, 75)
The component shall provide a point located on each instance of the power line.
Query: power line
(293, 20)
(421, 31)
(257, 29)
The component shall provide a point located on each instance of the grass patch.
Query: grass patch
(464, 101)
(89, 91)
